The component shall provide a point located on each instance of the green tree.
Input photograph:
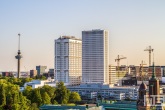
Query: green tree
(34, 106)
(153, 108)
(46, 88)
(9, 99)
(15, 107)
(36, 97)
(24, 80)
(45, 98)
(15, 97)
(43, 77)
(27, 92)
(74, 96)
(50, 91)
(23, 102)
(61, 93)
(2, 95)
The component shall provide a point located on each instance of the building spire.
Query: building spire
(153, 69)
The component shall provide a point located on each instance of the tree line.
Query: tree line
(30, 99)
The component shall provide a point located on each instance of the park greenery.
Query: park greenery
(30, 99)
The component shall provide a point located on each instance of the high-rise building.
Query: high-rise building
(95, 53)
(68, 60)
(40, 69)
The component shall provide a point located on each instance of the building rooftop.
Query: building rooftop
(121, 105)
(66, 107)
(143, 86)
(102, 86)
(69, 37)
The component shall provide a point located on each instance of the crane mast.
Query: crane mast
(141, 71)
(118, 62)
(150, 50)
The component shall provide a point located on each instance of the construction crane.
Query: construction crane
(118, 62)
(149, 49)
(141, 71)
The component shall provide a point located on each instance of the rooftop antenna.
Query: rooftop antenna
(19, 42)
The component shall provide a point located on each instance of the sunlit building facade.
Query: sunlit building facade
(112, 74)
(68, 60)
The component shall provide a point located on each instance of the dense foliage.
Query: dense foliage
(30, 99)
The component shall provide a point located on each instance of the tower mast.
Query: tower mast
(18, 57)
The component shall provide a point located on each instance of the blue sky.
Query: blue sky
(132, 24)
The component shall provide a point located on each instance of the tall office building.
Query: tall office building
(95, 53)
(68, 60)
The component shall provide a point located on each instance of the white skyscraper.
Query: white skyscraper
(95, 53)
(68, 60)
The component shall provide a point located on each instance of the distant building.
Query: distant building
(40, 70)
(7, 74)
(51, 73)
(68, 60)
(130, 82)
(95, 56)
(121, 74)
(142, 74)
(133, 70)
(159, 71)
(106, 91)
(45, 74)
(33, 73)
(112, 74)
(40, 83)
(123, 71)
